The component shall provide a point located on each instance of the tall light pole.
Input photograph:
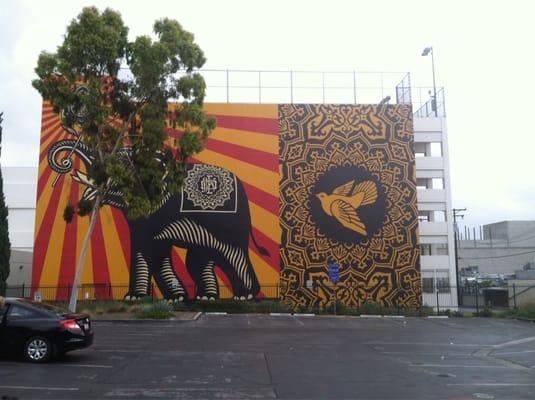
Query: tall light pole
(426, 52)
(457, 214)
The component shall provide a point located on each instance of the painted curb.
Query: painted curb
(277, 314)
(393, 316)
(304, 315)
(371, 316)
(216, 313)
(437, 317)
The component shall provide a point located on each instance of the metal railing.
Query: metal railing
(478, 296)
(473, 295)
(431, 107)
(308, 87)
(118, 292)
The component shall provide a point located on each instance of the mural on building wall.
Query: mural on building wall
(348, 195)
(220, 231)
(279, 192)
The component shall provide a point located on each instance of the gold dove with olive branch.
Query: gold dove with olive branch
(343, 202)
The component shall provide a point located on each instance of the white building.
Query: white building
(20, 188)
(437, 259)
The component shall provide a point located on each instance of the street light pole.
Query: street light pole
(455, 240)
(425, 52)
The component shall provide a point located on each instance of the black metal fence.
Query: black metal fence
(479, 296)
(119, 292)
(473, 296)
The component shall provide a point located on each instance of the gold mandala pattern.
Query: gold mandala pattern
(382, 267)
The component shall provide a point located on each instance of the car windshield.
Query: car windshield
(48, 307)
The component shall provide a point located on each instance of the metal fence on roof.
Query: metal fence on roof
(311, 87)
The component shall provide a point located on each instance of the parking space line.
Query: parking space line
(427, 344)
(506, 353)
(456, 366)
(40, 388)
(490, 384)
(514, 342)
(83, 365)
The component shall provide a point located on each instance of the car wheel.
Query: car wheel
(37, 349)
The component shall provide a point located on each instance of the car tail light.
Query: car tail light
(70, 325)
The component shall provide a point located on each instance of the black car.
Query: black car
(41, 331)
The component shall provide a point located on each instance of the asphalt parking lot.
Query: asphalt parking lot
(286, 357)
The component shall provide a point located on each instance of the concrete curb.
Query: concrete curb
(437, 317)
(216, 313)
(525, 319)
(370, 316)
(145, 320)
(278, 314)
(304, 315)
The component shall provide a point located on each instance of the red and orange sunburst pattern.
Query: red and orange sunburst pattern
(245, 142)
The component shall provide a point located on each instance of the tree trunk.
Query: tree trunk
(81, 259)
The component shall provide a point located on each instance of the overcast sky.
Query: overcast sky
(483, 58)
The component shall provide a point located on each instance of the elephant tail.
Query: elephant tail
(261, 249)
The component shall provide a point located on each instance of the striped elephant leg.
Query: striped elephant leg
(233, 258)
(167, 280)
(139, 277)
(201, 266)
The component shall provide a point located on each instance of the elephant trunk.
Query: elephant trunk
(68, 148)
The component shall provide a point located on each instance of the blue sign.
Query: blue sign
(334, 272)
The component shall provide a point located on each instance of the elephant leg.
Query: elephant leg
(239, 269)
(200, 266)
(139, 277)
(165, 276)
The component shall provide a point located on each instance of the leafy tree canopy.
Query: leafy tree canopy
(112, 93)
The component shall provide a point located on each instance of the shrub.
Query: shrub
(371, 308)
(486, 312)
(156, 310)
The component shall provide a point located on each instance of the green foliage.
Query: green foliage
(84, 207)
(115, 109)
(156, 310)
(68, 213)
(5, 244)
(485, 312)
(524, 312)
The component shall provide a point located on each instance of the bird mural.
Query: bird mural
(343, 202)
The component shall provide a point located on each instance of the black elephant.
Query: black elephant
(209, 217)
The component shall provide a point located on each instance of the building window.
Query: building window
(437, 183)
(435, 249)
(423, 216)
(436, 280)
(425, 249)
(421, 183)
(428, 285)
(441, 249)
(439, 216)
(427, 149)
(443, 284)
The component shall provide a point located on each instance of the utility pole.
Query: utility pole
(457, 214)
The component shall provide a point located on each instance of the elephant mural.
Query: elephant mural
(209, 217)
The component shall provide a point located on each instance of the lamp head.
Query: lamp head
(426, 51)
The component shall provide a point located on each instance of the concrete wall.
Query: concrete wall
(498, 260)
(507, 246)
